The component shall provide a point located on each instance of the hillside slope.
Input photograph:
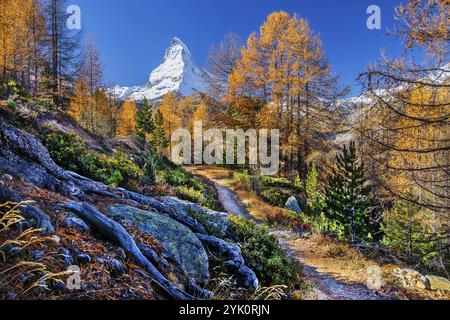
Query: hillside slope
(157, 251)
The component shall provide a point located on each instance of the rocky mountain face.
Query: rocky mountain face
(177, 73)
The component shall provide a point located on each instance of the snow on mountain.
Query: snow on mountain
(355, 108)
(178, 73)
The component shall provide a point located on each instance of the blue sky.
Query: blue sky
(132, 35)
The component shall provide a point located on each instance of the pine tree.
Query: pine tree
(348, 197)
(405, 231)
(315, 199)
(159, 138)
(144, 122)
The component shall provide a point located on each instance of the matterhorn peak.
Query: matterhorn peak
(177, 73)
(177, 43)
(178, 51)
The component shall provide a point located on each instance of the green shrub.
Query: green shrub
(11, 104)
(161, 177)
(322, 224)
(275, 182)
(46, 105)
(407, 233)
(244, 179)
(274, 197)
(65, 150)
(11, 88)
(263, 254)
(116, 169)
(190, 194)
(178, 177)
(188, 187)
(69, 152)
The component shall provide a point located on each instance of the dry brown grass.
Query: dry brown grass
(22, 276)
(256, 207)
(348, 264)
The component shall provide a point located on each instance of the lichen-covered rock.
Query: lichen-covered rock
(38, 218)
(76, 223)
(410, 278)
(292, 205)
(214, 221)
(179, 242)
(437, 283)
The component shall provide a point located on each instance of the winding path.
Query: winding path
(327, 286)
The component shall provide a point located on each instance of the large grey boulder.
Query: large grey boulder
(76, 223)
(292, 205)
(116, 233)
(214, 221)
(180, 244)
(410, 278)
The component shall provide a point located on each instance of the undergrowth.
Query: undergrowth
(23, 275)
(69, 152)
(263, 253)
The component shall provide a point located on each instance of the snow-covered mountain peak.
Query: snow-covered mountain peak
(177, 73)
(177, 49)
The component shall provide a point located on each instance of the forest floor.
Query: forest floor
(336, 271)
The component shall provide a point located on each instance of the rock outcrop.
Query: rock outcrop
(183, 229)
(437, 283)
(117, 234)
(233, 259)
(212, 220)
(410, 278)
(179, 242)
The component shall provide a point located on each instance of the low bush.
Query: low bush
(274, 197)
(11, 88)
(188, 187)
(287, 219)
(322, 224)
(190, 194)
(243, 179)
(263, 254)
(177, 177)
(275, 182)
(69, 152)
(272, 190)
